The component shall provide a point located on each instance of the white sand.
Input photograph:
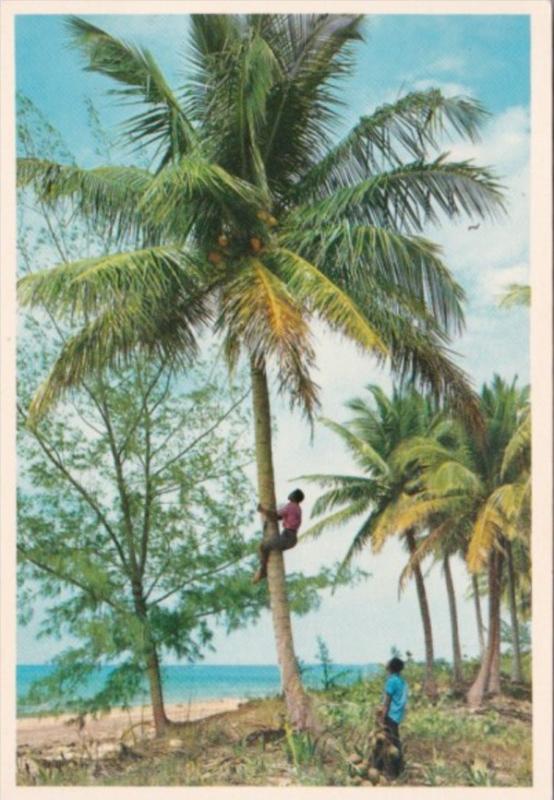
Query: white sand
(39, 732)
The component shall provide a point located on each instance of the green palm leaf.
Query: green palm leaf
(108, 196)
(323, 297)
(164, 123)
(259, 314)
(410, 196)
(409, 127)
(85, 287)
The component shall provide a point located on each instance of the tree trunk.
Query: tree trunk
(152, 662)
(156, 692)
(430, 685)
(456, 649)
(478, 614)
(516, 651)
(299, 707)
(483, 679)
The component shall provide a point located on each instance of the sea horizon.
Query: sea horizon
(196, 682)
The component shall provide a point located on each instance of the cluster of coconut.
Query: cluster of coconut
(255, 242)
(371, 767)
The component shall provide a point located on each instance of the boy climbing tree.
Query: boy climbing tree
(291, 516)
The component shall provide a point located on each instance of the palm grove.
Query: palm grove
(254, 218)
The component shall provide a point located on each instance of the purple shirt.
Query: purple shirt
(291, 514)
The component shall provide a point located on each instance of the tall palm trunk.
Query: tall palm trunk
(479, 615)
(482, 680)
(299, 707)
(456, 649)
(516, 649)
(430, 685)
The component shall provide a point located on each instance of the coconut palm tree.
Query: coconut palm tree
(372, 436)
(471, 484)
(516, 294)
(257, 216)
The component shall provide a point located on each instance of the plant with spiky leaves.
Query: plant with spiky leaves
(256, 218)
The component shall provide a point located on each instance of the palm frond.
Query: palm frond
(409, 268)
(519, 447)
(183, 193)
(258, 311)
(426, 546)
(365, 455)
(406, 128)
(410, 196)
(164, 328)
(408, 512)
(335, 520)
(488, 525)
(333, 305)
(164, 123)
(108, 196)
(86, 287)
(516, 294)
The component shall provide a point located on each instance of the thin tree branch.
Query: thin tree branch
(201, 436)
(52, 454)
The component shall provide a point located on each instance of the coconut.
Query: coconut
(373, 775)
(263, 215)
(223, 240)
(255, 244)
(354, 758)
(272, 221)
(215, 257)
(393, 751)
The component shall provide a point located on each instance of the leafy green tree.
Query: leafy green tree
(254, 218)
(133, 512)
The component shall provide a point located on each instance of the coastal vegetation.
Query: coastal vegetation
(186, 288)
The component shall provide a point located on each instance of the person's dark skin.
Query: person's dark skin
(268, 513)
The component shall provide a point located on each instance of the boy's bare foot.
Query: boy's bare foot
(258, 575)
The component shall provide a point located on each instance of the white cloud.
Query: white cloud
(448, 88)
(450, 63)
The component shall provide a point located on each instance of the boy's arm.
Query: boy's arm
(384, 710)
(274, 515)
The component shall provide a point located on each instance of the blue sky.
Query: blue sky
(484, 56)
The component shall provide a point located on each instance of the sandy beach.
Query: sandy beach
(64, 730)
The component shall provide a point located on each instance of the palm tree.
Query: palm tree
(256, 217)
(373, 436)
(516, 294)
(472, 484)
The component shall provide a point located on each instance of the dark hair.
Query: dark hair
(395, 665)
(297, 496)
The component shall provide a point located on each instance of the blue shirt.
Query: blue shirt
(397, 688)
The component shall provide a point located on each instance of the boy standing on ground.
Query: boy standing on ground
(394, 708)
(291, 516)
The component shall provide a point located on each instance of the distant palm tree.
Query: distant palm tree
(255, 218)
(372, 436)
(516, 294)
(473, 484)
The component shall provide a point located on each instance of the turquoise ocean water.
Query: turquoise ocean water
(192, 682)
